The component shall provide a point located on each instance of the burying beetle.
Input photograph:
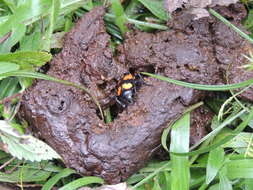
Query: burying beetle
(127, 89)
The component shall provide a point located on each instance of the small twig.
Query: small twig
(7, 163)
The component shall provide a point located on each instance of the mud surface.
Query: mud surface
(66, 118)
(201, 51)
(201, 119)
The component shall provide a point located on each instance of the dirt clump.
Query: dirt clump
(203, 51)
(67, 119)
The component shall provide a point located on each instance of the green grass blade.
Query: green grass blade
(53, 180)
(82, 182)
(135, 179)
(229, 100)
(120, 17)
(7, 67)
(27, 11)
(248, 23)
(37, 10)
(8, 87)
(27, 59)
(53, 17)
(203, 86)
(157, 8)
(165, 137)
(226, 139)
(225, 183)
(248, 184)
(30, 74)
(215, 161)
(68, 6)
(147, 24)
(180, 134)
(242, 168)
(32, 42)
(111, 17)
(229, 24)
(108, 116)
(219, 128)
(151, 175)
(167, 130)
(156, 184)
(10, 4)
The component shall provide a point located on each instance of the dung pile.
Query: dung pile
(199, 51)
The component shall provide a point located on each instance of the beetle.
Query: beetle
(127, 89)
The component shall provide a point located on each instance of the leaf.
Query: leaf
(82, 182)
(53, 17)
(10, 4)
(120, 17)
(31, 42)
(248, 184)
(29, 175)
(68, 6)
(32, 10)
(25, 146)
(7, 67)
(180, 135)
(29, 10)
(17, 33)
(8, 87)
(242, 143)
(133, 8)
(215, 161)
(242, 168)
(157, 8)
(225, 183)
(248, 23)
(53, 180)
(214, 187)
(27, 59)
(203, 86)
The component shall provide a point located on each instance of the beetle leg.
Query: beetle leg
(120, 102)
(141, 81)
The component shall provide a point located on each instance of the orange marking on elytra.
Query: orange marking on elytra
(128, 77)
(119, 91)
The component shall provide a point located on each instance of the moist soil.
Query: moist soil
(201, 51)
